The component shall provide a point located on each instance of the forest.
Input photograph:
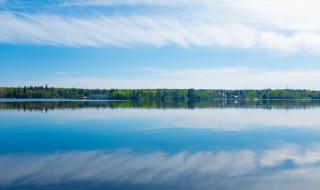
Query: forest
(45, 92)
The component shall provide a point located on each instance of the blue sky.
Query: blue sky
(228, 44)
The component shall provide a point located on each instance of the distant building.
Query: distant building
(234, 97)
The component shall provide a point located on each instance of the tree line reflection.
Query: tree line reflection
(47, 105)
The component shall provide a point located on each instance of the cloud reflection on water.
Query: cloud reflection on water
(228, 119)
(257, 169)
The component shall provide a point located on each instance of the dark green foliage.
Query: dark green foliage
(153, 94)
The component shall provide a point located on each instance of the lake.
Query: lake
(226, 145)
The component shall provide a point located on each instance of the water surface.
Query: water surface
(159, 145)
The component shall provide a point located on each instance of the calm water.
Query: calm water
(181, 145)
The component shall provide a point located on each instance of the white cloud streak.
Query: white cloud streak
(119, 31)
(220, 169)
(205, 78)
(220, 23)
(64, 73)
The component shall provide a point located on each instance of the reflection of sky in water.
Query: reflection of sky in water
(232, 119)
(156, 149)
(264, 169)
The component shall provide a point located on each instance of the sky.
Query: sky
(210, 44)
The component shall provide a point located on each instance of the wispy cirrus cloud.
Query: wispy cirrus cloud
(219, 23)
(119, 31)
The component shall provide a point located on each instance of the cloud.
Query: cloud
(295, 43)
(64, 73)
(220, 169)
(201, 78)
(237, 78)
(119, 31)
(221, 23)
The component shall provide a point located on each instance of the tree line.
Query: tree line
(152, 94)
